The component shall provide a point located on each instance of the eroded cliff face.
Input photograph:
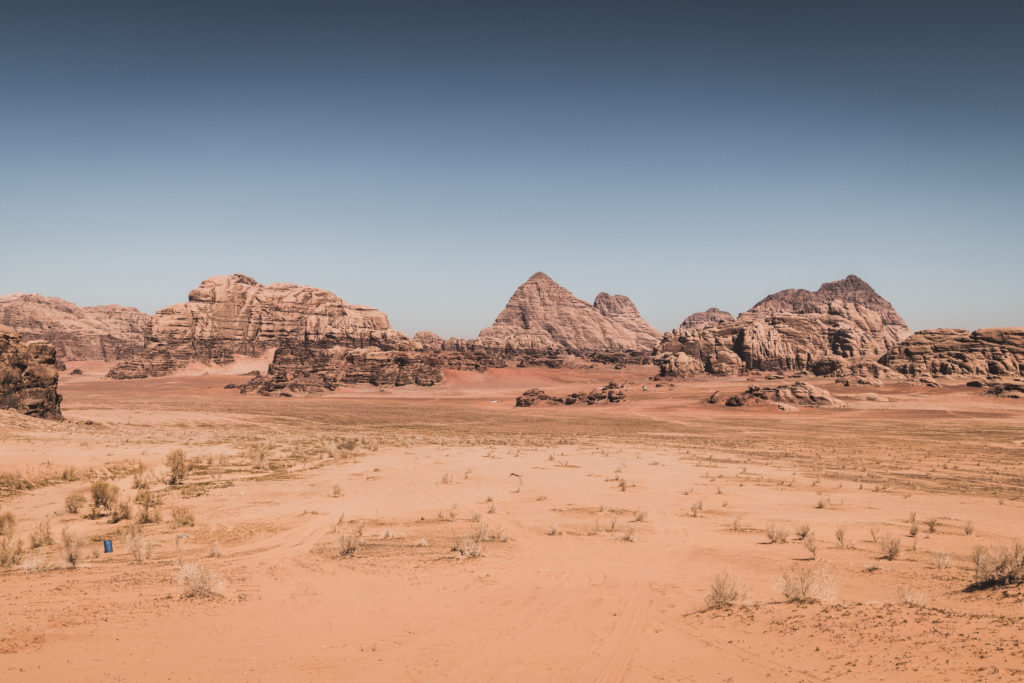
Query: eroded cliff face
(28, 376)
(227, 317)
(544, 320)
(990, 352)
(843, 323)
(77, 333)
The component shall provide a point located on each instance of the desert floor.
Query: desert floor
(596, 559)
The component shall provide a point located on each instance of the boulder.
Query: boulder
(28, 376)
(795, 394)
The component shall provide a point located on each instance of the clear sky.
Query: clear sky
(427, 157)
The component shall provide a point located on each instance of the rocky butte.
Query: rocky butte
(992, 352)
(28, 376)
(839, 330)
(228, 318)
(78, 333)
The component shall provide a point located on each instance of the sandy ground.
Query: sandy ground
(596, 559)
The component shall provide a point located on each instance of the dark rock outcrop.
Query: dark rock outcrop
(795, 394)
(28, 376)
(234, 316)
(793, 330)
(609, 393)
(989, 352)
(77, 333)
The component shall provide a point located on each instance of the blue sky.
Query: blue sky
(426, 158)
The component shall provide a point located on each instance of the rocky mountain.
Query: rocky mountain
(990, 352)
(107, 333)
(234, 316)
(829, 331)
(545, 320)
(708, 318)
(28, 376)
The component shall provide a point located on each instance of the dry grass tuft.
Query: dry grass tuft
(803, 584)
(776, 533)
(199, 581)
(42, 535)
(183, 516)
(891, 547)
(74, 502)
(71, 546)
(905, 595)
(726, 591)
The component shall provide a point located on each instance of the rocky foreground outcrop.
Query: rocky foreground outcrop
(795, 394)
(28, 376)
(830, 331)
(305, 368)
(77, 333)
(609, 393)
(228, 317)
(544, 321)
(990, 352)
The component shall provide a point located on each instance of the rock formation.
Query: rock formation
(28, 376)
(107, 333)
(609, 393)
(234, 316)
(309, 368)
(543, 320)
(795, 394)
(990, 352)
(832, 329)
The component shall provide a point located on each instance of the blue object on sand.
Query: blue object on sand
(108, 546)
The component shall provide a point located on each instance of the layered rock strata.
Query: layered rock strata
(28, 376)
(989, 352)
(795, 394)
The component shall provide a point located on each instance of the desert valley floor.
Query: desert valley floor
(592, 564)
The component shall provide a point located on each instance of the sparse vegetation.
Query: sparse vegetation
(776, 533)
(10, 551)
(104, 495)
(998, 566)
(725, 592)
(8, 524)
(629, 535)
(905, 595)
(183, 516)
(71, 545)
(178, 467)
(42, 535)
(811, 543)
(199, 581)
(969, 528)
(147, 502)
(891, 547)
(803, 584)
(802, 530)
(74, 502)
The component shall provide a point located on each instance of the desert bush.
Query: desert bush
(891, 547)
(140, 548)
(629, 535)
(725, 592)
(8, 523)
(10, 551)
(122, 509)
(336, 491)
(875, 534)
(905, 595)
(554, 531)
(803, 584)
(776, 533)
(822, 503)
(178, 466)
(914, 529)
(104, 494)
(199, 581)
(998, 566)
(71, 546)
(147, 502)
(802, 531)
(470, 545)
(74, 502)
(941, 560)
(42, 535)
(446, 478)
(215, 550)
(842, 539)
(347, 544)
(969, 528)
(640, 517)
(259, 455)
(811, 543)
(183, 516)
(931, 523)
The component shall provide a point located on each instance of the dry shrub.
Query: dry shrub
(969, 528)
(891, 547)
(122, 509)
(140, 548)
(199, 581)
(811, 543)
(640, 517)
(776, 533)
(630, 534)
(74, 502)
(183, 516)
(42, 535)
(905, 595)
(842, 539)
(998, 566)
(147, 502)
(347, 544)
(71, 546)
(932, 523)
(803, 584)
(104, 494)
(178, 466)
(802, 531)
(8, 523)
(941, 559)
(10, 551)
(215, 550)
(726, 591)
(472, 544)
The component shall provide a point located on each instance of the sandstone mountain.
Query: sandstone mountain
(228, 317)
(544, 319)
(107, 333)
(784, 395)
(990, 352)
(28, 376)
(708, 318)
(831, 331)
